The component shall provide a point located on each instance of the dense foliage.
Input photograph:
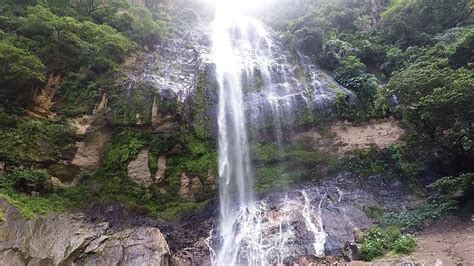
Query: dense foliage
(412, 59)
(84, 42)
(408, 58)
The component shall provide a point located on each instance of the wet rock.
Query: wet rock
(303, 261)
(81, 125)
(196, 184)
(65, 172)
(350, 251)
(197, 254)
(357, 263)
(396, 183)
(138, 169)
(211, 180)
(138, 119)
(56, 184)
(165, 125)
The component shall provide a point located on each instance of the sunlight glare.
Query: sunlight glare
(243, 5)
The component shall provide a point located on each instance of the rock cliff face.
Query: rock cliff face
(69, 239)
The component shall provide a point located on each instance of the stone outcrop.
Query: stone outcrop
(344, 137)
(88, 153)
(102, 105)
(155, 118)
(350, 251)
(190, 187)
(68, 239)
(89, 150)
(160, 174)
(165, 124)
(137, 246)
(139, 171)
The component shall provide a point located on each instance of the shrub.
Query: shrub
(404, 244)
(449, 184)
(415, 218)
(29, 180)
(379, 241)
(34, 140)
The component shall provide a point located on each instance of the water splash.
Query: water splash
(231, 50)
(249, 232)
(265, 233)
(316, 228)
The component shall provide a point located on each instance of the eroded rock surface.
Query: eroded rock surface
(190, 187)
(138, 169)
(160, 174)
(68, 239)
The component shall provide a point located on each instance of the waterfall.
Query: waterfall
(235, 40)
(243, 53)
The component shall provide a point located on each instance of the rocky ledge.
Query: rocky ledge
(70, 239)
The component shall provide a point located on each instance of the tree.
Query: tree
(19, 68)
(436, 105)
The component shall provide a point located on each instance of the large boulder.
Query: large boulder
(136, 246)
(69, 239)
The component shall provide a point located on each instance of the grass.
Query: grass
(31, 207)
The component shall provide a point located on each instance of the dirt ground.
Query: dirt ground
(447, 242)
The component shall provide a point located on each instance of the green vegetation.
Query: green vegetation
(198, 158)
(293, 163)
(449, 186)
(380, 241)
(173, 210)
(84, 43)
(33, 140)
(31, 192)
(363, 43)
(373, 212)
(391, 161)
(415, 218)
(205, 94)
(30, 180)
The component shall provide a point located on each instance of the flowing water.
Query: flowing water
(249, 233)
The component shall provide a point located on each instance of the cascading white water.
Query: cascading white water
(235, 184)
(245, 234)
